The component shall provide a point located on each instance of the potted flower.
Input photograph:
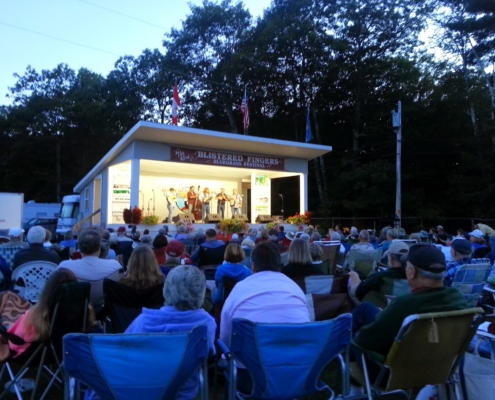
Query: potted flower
(150, 220)
(233, 226)
(300, 218)
(134, 216)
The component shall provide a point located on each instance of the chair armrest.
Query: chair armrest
(11, 337)
(224, 348)
(372, 355)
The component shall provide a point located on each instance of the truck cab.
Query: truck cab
(69, 214)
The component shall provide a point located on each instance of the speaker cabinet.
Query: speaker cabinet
(184, 217)
(241, 216)
(263, 218)
(210, 218)
(278, 219)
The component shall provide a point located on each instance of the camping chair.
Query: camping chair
(97, 288)
(330, 255)
(123, 304)
(189, 245)
(8, 253)
(210, 256)
(285, 360)
(150, 366)
(362, 263)
(481, 252)
(68, 313)
(470, 279)
(34, 274)
(228, 285)
(426, 350)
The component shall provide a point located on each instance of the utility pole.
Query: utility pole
(397, 125)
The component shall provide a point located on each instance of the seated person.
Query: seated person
(184, 293)
(364, 246)
(376, 282)
(300, 263)
(90, 267)
(280, 234)
(34, 325)
(232, 267)
(173, 252)
(143, 271)
(477, 239)
(444, 242)
(315, 237)
(36, 251)
(425, 270)
(264, 237)
(235, 239)
(461, 251)
(211, 242)
(181, 233)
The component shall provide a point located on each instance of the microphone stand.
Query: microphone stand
(153, 201)
(282, 210)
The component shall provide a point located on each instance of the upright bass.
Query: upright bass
(198, 205)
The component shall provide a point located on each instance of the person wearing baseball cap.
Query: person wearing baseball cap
(461, 251)
(15, 235)
(425, 270)
(391, 281)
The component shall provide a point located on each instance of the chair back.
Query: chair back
(34, 275)
(470, 279)
(210, 256)
(429, 346)
(365, 263)
(68, 311)
(189, 245)
(285, 360)
(331, 254)
(126, 367)
(160, 255)
(97, 288)
(394, 287)
(322, 284)
(8, 252)
(123, 304)
(481, 252)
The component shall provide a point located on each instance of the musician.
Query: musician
(235, 202)
(221, 197)
(205, 198)
(171, 203)
(191, 199)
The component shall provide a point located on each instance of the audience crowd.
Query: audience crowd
(388, 277)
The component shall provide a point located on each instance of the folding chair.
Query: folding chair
(210, 256)
(189, 245)
(8, 253)
(127, 367)
(470, 280)
(285, 360)
(363, 263)
(68, 313)
(123, 304)
(34, 274)
(426, 351)
(97, 288)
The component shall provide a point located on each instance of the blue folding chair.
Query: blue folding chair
(285, 360)
(127, 367)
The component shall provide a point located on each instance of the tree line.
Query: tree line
(351, 61)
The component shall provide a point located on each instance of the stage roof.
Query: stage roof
(200, 138)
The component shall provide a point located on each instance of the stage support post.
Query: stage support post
(135, 172)
(303, 194)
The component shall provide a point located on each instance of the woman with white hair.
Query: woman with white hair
(184, 293)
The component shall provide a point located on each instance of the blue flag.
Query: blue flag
(309, 134)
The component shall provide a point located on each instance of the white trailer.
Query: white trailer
(11, 211)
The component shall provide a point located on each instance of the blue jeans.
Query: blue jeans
(221, 210)
(170, 212)
(205, 209)
(362, 315)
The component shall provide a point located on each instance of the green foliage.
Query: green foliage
(150, 220)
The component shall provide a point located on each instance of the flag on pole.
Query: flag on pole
(245, 111)
(309, 134)
(175, 106)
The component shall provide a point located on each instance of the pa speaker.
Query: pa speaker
(242, 217)
(182, 216)
(212, 218)
(278, 219)
(264, 218)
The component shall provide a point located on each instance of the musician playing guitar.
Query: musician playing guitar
(205, 198)
(221, 198)
(235, 202)
(171, 203)
(191, 199)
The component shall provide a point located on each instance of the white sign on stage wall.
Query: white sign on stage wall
(121, 191)
(260, 196)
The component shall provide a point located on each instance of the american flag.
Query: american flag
(175, 106)
(245, 110)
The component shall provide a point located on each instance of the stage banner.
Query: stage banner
(226, 159)
(260, 196)
(121, 190)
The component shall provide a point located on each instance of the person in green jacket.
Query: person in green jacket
(425, 269)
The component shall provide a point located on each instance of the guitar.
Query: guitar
(206, 200)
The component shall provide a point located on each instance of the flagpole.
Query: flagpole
(245, 96)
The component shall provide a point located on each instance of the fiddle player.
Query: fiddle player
(221, 197)
(171, 202)
(191, 199)
(205, 198)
